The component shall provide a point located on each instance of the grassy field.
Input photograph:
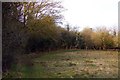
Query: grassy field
(68, 64)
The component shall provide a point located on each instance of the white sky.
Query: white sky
(91, 13)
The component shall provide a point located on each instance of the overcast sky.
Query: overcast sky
(91, 13)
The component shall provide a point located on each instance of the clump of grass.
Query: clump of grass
(72, 64)
(89, 61)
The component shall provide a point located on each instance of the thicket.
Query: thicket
(32, 27)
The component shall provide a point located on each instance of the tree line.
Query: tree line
(33, 26)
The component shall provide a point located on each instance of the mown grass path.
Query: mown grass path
(70, 64)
